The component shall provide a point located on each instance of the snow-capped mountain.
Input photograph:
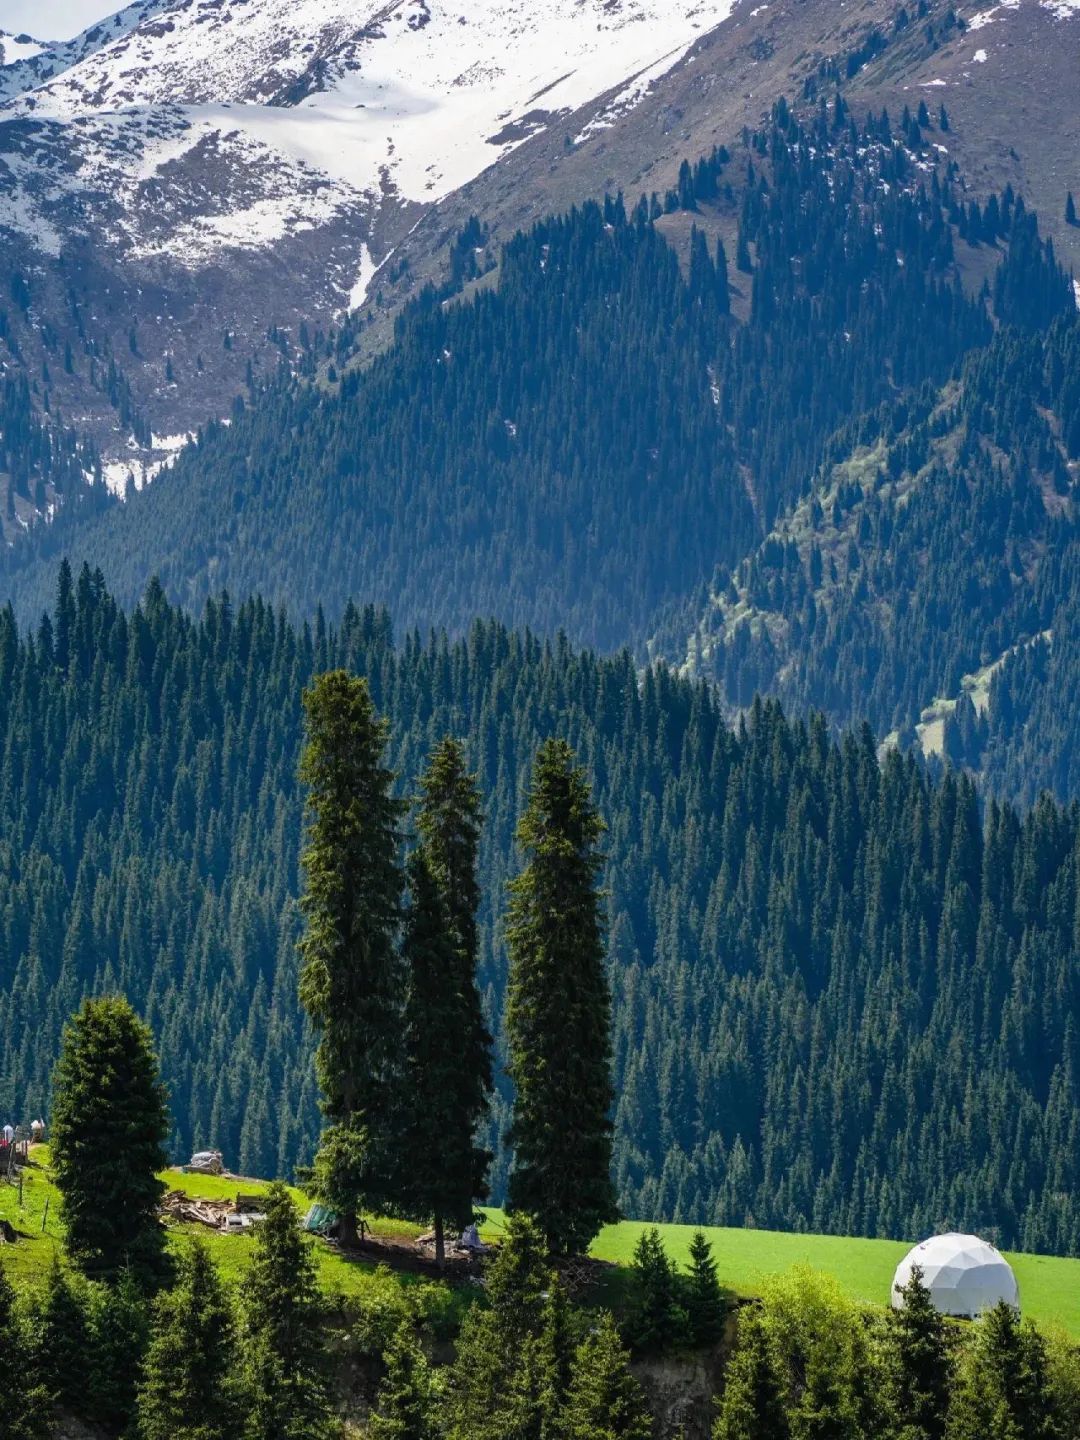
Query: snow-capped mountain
(192, 169)
(189, 183)
(242, 121)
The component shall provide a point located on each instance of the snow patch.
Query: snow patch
(140, 469)
(368, 270)
(980, 57)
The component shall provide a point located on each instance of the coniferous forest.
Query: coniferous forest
(836, 465)
(830, 976)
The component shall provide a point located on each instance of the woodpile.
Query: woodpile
(178, 1206)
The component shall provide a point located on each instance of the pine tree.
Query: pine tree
(656, 1319)
(723, 292)
(447, 1047)
(351, 982)
(62, 1338)
(1003, 1388)
(188, 1392)
(604, 1401)
(704, 1302)
(742, 253)
(108, 1130)
(752, 1406)
(23, 1411)
(919, 1362)
(119, 1335)
(408, 1395)
(285, 1378)
(502, 1381)
(1070, 209)
(558, 1016)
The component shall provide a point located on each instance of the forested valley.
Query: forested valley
(831, 976)
(596, 436)
(581, 443)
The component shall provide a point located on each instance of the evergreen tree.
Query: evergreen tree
(502, 1381)
(351, 982)
(1070, 209)
(23, 1413)
(1004, 1391)
(285, 1363)
(188, 1392)
(920, 1363)
(704, 1302)
(656, 1319)
(408, 1394)
(752, 1404)
(604, 1401)
(109, 1125)
(447, 1046)
(558, 1016)
(62, 1340)
(119, 1334)
(723, 291)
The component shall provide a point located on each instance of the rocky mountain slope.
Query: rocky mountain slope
(207, 184)
(189, 190)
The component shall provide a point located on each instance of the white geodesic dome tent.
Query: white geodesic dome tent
(964, 1275)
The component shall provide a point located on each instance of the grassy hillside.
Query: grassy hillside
(41, 1232)
(1049, 1286)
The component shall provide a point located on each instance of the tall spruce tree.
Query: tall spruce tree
(352, 980)
(408, 1395)
(1003, 1389)
(189, 1390)
(61, 1337)
(752, 1405)
(501, 1382)
(920, 1363)
(656, 1318)
(23, 1411)
(285, 1361)
(558, 1016)
(109, 1126)
(447, 1046)
(704, 1300)
(604, 1401)
(119, 1335)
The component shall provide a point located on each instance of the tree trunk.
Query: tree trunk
(348, 1234)
(440, 1245)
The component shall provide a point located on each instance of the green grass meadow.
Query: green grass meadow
(41, 1232)
(745, 1259)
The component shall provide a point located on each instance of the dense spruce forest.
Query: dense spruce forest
(842, 1000)
(943, 527)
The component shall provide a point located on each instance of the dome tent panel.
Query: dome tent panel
(965, 1275)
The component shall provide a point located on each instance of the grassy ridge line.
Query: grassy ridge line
(1049, 1285)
